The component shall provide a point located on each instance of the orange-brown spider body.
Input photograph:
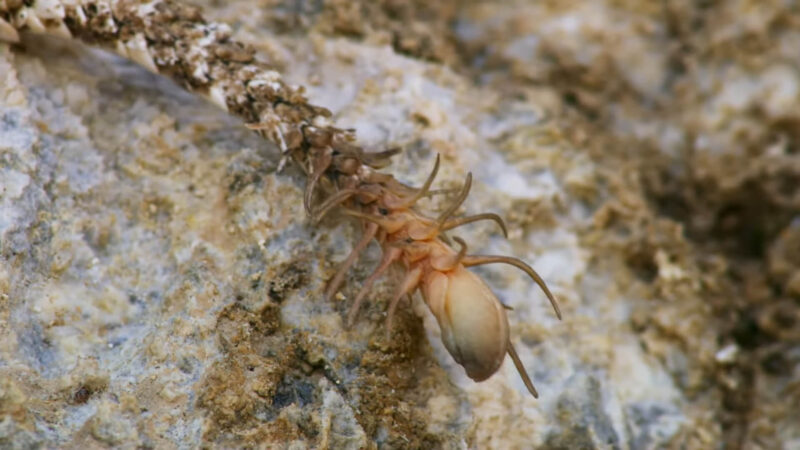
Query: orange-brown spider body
(473, 322)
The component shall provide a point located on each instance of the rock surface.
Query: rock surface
(160, 285)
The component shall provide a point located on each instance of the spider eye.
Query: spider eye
(383, 211)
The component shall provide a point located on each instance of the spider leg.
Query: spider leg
(319, 165)
(387, 223)
(409, 283)
(336, 200)
(521, 369)
(477, 260)
(391, 255)
(459, 200)
(337, 279)
(421, 192)
(453, 223)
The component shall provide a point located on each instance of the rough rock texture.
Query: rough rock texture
(160, 285)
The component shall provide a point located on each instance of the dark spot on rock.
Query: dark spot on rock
(642, 263)
(270, 319)
(293, 390)
(776, 364)
(187, 365)
(290, 277)
(242, 180)
(746, 333)
(81, 395)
